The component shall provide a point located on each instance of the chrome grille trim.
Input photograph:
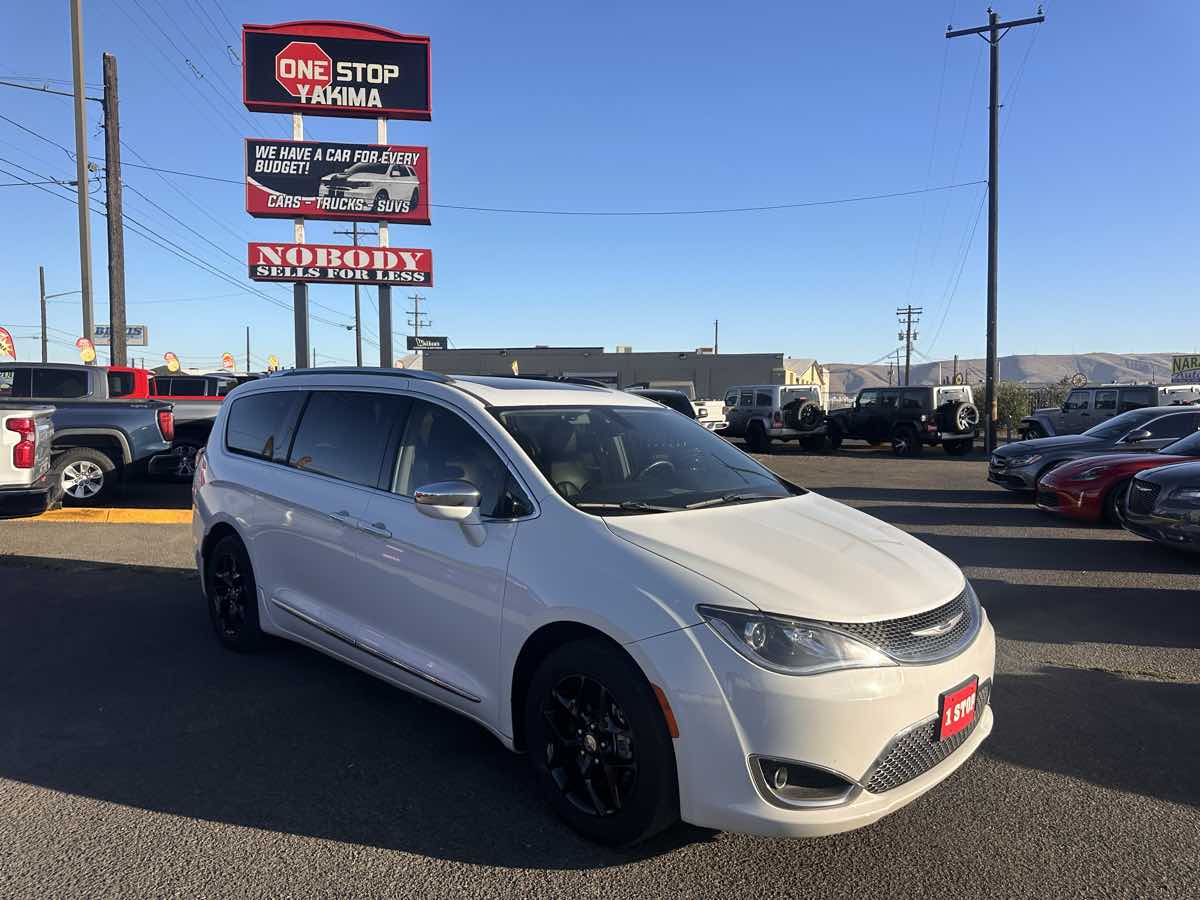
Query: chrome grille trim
(896, 638)
(916, 750)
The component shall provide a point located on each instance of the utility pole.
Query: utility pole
(118, 349)
(416, 321)
(353, 232)
(716, 336)
(314, 357)
(42, 296)
(81, 169)
(995, 30)
(247, 349)
(906, 314)
(299, 288)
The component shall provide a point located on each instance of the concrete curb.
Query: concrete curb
(115, 516)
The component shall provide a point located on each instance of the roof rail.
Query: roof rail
(418, 374)
(560, 379)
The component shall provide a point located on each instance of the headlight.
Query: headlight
(790, 646)
(1185, 496)
(1027, 459)
(1091, 474)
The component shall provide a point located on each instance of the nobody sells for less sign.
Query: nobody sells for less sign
(332, 264)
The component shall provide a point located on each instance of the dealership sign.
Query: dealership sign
(1185, 369)
(331, 264)
(316, 180)
(428, 342)
(135, 336)
(335, 69)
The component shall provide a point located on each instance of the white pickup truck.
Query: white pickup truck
(26, 488)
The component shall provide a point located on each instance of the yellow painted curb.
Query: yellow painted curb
(116, 516)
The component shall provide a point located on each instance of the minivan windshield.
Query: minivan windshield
(1119, 426)
(609, 460)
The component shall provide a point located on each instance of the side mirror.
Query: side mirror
(453, 501)
(1136, 437)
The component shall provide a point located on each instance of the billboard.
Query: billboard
(135, 336)
(428, 342)
(331, 264)
(335, 69)
(1185, 369)
(318, 180)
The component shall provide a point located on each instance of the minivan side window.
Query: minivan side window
(439, 445)
(345, 434)
(261, 425)
(61, 384)
(762, 398)
(1076, 400)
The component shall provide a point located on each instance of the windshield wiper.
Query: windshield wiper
(731, 498)
(629, 506)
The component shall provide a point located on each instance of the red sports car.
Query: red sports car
(1094, 488)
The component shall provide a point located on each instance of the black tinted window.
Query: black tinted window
(1106, 401)
(868, 398)
(911, 400)
(261, 424)
(120, 384)
(762, 398)
(887, 400)
(1077, 400)
(344, 434)
(60, 383)
(1175, 426)
(747, 398)
(1135, 398)
(439, 445)
(187, 387)
(14, 382)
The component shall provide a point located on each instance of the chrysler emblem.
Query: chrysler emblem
(939, 629)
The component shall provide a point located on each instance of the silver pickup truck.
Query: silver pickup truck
(26, 436)
(97, 440)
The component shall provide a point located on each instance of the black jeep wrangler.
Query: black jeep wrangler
(909, 417)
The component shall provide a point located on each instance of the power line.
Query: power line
(40, 137)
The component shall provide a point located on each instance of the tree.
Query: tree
(1012, 403)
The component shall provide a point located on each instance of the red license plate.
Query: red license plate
(956, 708)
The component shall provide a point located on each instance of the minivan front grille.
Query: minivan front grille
(914, 752)
(924, 637)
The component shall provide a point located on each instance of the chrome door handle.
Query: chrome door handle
(376, 529)
(343, 516)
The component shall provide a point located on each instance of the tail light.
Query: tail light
(166, 424)
(25, 452)
(777, 418)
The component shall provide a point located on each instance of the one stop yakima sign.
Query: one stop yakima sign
(331, 264)
(302, 67)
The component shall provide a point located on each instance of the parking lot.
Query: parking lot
(139, 758)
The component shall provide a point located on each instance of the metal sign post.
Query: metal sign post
(385, 293)
(300, 289)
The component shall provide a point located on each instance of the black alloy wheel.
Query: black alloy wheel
(590, 749)
(906, 441)
(233, 596)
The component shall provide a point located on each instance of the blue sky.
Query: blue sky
(662, 106)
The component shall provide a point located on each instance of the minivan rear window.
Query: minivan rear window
(261, 425)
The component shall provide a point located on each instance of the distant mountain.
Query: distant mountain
(849, 378)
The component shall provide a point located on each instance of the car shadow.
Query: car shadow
(151, 712)
(1117, 553)
(1127, 734)
(990, 516)
(924, 495)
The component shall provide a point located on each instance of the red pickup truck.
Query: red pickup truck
(197, 400)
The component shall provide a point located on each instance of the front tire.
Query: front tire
(835, 435)
(906, 442)
(86, 475)
(599, 745)
(232, 596)
(757, 439)
(1114, 503)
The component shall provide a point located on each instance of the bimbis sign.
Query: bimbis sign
(364, 182)
(335, 69)
(330, 264)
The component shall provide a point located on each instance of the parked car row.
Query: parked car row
(1139, 469)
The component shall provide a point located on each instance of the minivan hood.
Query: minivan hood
(804, 556)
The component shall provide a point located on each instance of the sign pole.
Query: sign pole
(42, 293)
(357, 311)
(81, 168)
(300, 289)
(385, 293)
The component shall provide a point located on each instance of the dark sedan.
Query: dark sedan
(1164, 505)
(676, 400)
(1019, 466)
(1095, 487)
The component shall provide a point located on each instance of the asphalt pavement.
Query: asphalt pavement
(138, 758)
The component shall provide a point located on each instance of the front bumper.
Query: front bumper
(1173, 527)
(730, 711)
(1015, 478)
(1083, 504)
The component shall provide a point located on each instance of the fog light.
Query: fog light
(779, 779)
(794, 785)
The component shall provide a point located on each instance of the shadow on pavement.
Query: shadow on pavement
(924, 495)
(287, 740)
(146, 493)
(1127, 734)
(989, 516)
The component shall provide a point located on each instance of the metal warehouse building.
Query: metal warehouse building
(710, 373)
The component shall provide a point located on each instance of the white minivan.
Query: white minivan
(666, 628)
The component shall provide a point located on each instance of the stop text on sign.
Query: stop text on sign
(332, 264)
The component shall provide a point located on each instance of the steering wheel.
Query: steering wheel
(568, 489)
(659, 465)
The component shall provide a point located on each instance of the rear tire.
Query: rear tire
(757, 439)
(86, 476)
(589, 701)
(1114, 503)
(231, 594)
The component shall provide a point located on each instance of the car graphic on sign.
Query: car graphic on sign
(386, 187)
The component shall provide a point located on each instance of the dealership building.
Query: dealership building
(710, 373)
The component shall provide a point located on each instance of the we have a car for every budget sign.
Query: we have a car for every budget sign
(331, 264)
(362, 182)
